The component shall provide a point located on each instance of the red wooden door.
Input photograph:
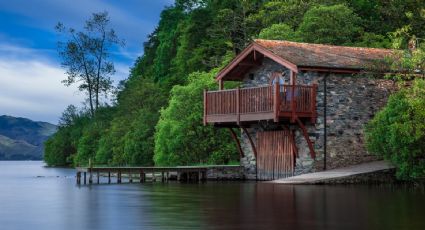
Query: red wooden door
(275, 155)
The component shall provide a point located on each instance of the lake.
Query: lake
(34, 197)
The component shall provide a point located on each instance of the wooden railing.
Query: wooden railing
(274, 99)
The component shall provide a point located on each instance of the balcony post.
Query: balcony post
(238, 105)
(205, 106)
(220, 84)
(293, 106)
(276, 101)
(313, 104)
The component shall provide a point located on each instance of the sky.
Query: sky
(30, 70)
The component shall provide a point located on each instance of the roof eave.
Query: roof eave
(258, 48)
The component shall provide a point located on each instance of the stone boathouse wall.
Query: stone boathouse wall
(351, 101)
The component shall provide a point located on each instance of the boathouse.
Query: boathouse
(300, 107)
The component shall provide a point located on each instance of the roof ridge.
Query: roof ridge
(323, 45)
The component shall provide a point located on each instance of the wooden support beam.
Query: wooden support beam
(254, 149)
(313, 104)
(307, 138)
(238, 105)
(109, 177)
(238, 144)
(98, 177)
(85, 177)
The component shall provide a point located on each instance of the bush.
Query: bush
(398, 131)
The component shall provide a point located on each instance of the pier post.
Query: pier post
(204, 176)
(85, 175)
(78, 178)
(119, 177)
(162, 177)
(90, 172)
(131, 177)
(167, 177)
(153, 176)
(109, 177)
(142, 177)
(98, 178)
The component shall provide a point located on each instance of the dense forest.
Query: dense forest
(156, 117)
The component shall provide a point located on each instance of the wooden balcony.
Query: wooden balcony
(275, 102)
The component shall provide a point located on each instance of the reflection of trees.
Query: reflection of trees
(235, 205)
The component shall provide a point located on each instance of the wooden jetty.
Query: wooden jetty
(142, 174)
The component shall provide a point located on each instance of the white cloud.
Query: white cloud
(31, 87)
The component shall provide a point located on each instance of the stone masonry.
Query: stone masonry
(352, 100)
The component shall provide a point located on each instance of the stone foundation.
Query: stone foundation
(225, 173)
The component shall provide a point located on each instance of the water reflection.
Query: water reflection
(53, 201)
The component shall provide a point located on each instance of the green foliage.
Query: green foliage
(180, 137)
(57, 149)
(129, 137)
(280, 12)
(180, 58)
(374, 41)
(278, 32)
(336, 24)
(398, 131)
(61, 147)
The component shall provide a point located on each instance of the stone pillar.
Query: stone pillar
(248, 162)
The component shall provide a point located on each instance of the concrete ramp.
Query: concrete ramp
(337, 174)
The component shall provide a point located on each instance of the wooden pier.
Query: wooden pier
(91, 175)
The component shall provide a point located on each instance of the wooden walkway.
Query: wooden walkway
(142, 174)
(320, 177)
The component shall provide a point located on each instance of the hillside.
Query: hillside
(157, 117)
(22, 139)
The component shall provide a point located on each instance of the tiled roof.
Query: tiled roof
(326, 56)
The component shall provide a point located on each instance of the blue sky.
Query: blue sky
(30, 71)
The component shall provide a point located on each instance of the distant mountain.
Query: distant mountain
(22, 139)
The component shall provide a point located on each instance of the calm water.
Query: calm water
(34, 197)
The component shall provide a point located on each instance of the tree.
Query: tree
(68, 116)
(289, 12)
(279, 32)
(180, 137)
(397, 132)
(85, 55)
(336, 25)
